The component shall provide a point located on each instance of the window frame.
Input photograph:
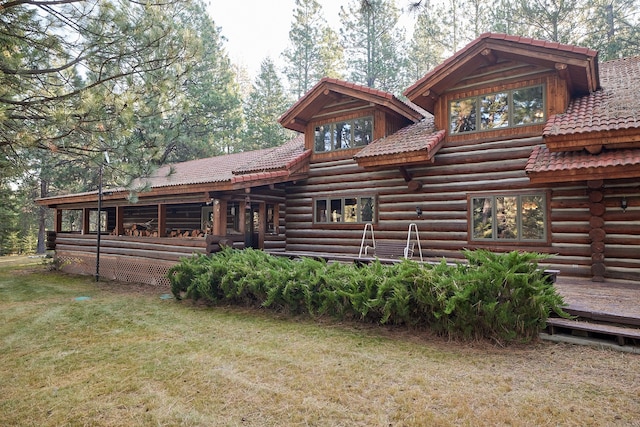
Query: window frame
(546, 238)
(478, 105)
(333, 131)
(359, 206)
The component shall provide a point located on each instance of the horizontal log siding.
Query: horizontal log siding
(459, 169)
(622, 241)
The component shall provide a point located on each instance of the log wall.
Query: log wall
(460, 169)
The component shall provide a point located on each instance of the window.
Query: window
(343, 135)
(72, 220)
(93, 220)
(344, 210)
(271, 219)
(514, 218)
(518, 107)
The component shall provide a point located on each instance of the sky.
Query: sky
(255, 29)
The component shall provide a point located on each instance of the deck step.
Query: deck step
(621, 333)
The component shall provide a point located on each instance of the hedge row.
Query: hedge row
(502, 297)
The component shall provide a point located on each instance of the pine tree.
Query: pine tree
(373, 44)
(266, 103)
(425, 51)
(303, 60)
(613, 28)
(331, 55)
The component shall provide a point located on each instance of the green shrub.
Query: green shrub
(503, 297)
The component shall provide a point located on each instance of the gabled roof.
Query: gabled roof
(417, 143)
(330, 95)
(570, 166)
(579, 65)
(287, 162)
(591, 121)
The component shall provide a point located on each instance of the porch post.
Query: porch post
(85, 220)
(162, 220)
(57, 227)
(219, 217)
(119, 220)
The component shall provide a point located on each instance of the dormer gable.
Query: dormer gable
(339, 117)
(501, 58)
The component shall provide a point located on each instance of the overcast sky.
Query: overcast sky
(255, 29)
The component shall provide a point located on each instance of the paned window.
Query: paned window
(72, 220)
(518, 107)
(93, 221)
(344, 210)
(509, 218)
(342, 135)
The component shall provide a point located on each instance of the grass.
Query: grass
(128, 357)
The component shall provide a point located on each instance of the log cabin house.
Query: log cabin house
(510, 144)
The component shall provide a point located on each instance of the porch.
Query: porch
(607, 313)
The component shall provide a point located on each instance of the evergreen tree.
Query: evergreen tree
(266, 103)
(558, 21)
(425, 51)
(8, 220)
(303, 57)
(373, 44)
(613, 28)
(71, 68)
(331, 56)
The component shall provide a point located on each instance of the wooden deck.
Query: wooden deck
(608, 310)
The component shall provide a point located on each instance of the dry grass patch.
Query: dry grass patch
(128, 357)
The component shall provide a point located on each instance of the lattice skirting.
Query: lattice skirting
(114, 267)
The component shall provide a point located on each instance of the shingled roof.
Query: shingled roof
(238, 170)
(599, 135)
(570, 166)
(615, 107)
(417, 143)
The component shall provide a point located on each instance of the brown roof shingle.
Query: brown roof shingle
(564, 166)
(615, 107)
(416, 137)
(230, 167)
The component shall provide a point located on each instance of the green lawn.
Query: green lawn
(127, 357)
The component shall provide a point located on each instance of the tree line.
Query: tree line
(152, 83)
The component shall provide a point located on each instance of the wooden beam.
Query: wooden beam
(162, 220)
(220, 217)
(85, 220)
(489, 56)
(119, 231)
(58, 221)
(405, 174)
(563, 72)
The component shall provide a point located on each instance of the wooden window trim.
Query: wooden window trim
(494, 91)
(343, 119)
(546, 241)
(340, 224)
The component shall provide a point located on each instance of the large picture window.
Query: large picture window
(343, 135)
(517, 107)
(509, 218)
(344, 210)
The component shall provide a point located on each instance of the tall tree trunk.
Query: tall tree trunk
(42, 216)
